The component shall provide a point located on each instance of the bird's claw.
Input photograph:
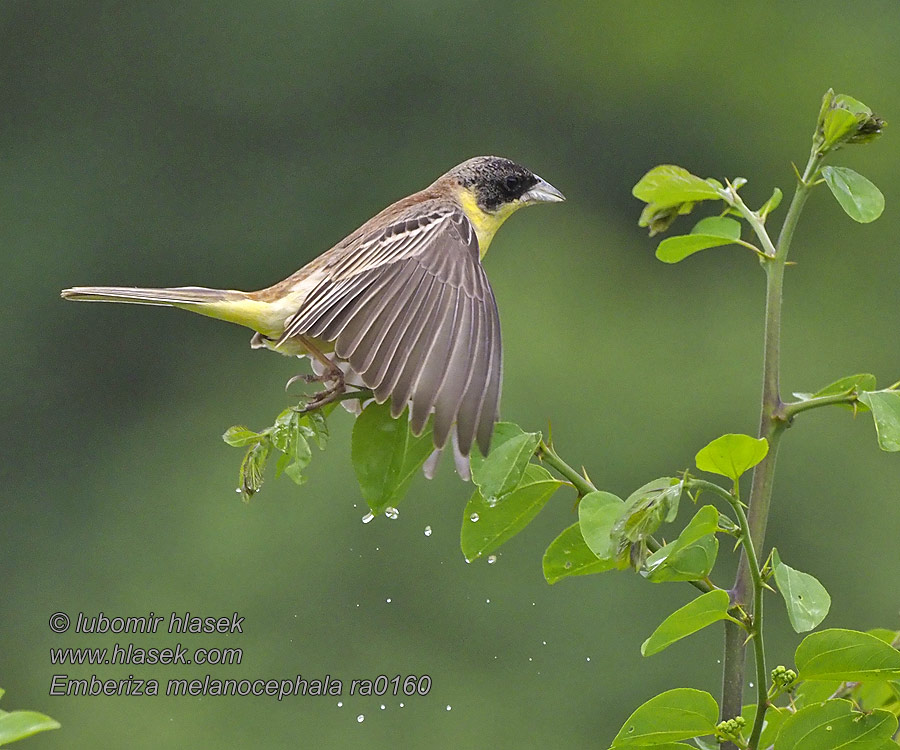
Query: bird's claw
(326, 396)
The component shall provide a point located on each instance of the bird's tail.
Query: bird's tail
(242, 308)
(183, 295)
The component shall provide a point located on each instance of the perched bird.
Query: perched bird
(401, 306)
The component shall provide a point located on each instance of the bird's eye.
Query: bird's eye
(511, 183)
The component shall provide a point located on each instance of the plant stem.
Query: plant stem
(584, 486)
(789, 411)
(756, 618)
(771, 426)
(549, 456)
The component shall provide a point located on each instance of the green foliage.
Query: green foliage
(885, 406)
(488, 522)
(290, 435)
(386, 455)
(668, 191)
(692, 555)
(511, 450)
(806, 599)
(17, 725)
(860, 199)
(732, 455)
(713, 231)
(598, 513)
(569, 555)
(695, 615)
(835, 724)
(679, 714)
(838, 654)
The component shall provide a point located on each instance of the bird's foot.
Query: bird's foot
(335, 386)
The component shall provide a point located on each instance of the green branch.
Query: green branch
(771, 426)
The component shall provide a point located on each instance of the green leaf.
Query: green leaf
(809, 692)
(838, 124)
(714, 231)
(693, 616)
(252, 469)
(17, 725)
(806, 599)
(834, 724)
(860, 199)
(771, 204)
(772, 723)
(674, 715)
(569, 555)
(386, 455)
(732, 455)
(668, 184)
(849, 655)
(597, 515)
(885, 406)
(692, 555)
(240, 436)
(488, 523)
(648, 507)
(511, 450)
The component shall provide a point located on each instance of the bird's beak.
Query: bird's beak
(542, 192)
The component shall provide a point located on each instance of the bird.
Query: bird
(402, 306)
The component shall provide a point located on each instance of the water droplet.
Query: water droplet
(392, 513)
(361, 718)
(474, 518)
(487, 601)
(340, 703)
(491, 501)
(751, 684)
(492, 559)
(448, 706)
(428, 531)
(382, 706)
(530, 659)
(544, 642)
(828, 729)
(367, 519)
(238, 490)
(401, 705)
(588, 658)
(388, 600)
(568, 564)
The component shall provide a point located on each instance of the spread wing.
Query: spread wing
(411, 309)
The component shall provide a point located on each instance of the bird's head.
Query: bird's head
(491, 188)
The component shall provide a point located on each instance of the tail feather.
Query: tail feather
(141, 296)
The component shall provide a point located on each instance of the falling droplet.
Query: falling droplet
(367, 519)
(392, 513)
(751, 684)
(530, 659)
(448, 707)
(588, 658)
(401, 705)
(340, 703)
(428, 531)
(382, 706)
(544, 642)
(388, 600)
(361, 718)
(492, 559)
(474, 518)
(487, 601)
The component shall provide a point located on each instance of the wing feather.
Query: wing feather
(410, 308)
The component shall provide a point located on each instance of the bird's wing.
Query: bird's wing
(411, 309)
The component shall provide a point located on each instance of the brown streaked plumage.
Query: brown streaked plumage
(404, 301)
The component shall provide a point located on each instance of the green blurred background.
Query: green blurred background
(226, 144)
